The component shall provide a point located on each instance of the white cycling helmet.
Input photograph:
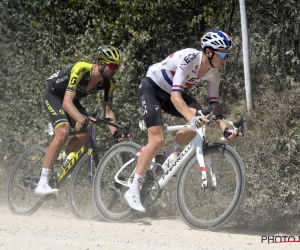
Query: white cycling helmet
(216, 39)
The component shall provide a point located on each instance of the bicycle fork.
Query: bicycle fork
(204, 161)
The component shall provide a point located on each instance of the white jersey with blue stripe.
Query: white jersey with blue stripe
(179, 71)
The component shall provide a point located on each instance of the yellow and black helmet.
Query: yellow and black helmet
(109, 54)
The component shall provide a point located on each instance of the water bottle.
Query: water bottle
(58, 166)
(69, 158)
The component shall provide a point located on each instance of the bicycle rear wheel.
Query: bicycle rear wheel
(81, 192)
(109, 195)
(23, 180)
(209, 208)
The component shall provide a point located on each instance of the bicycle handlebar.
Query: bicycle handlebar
(126, 130)
(208, 114)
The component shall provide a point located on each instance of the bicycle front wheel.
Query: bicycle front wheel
(81, 193)
(210, 208)
(109, 195)
(23, 180)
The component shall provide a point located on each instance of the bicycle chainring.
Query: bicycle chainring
(150, 190)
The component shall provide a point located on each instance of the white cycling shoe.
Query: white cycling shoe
(134, 201)
(44, 190)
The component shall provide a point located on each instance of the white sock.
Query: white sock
(172, 149)
(45, 176)
(135, 187)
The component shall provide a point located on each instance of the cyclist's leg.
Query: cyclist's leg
(155, 143)
(78, 140)
(152, 116)
(183, 137)
(53, 106)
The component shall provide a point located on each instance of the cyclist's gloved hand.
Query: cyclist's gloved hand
(196, 121)
(87, 122)
(229, 133)
(119, 136)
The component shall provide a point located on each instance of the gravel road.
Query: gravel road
(59, 229)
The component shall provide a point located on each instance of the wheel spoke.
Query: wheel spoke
(108, 194)
(22, 182)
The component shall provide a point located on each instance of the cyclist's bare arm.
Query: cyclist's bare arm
(181, 105)
(219, 111)
(110, 114)
(70, 108)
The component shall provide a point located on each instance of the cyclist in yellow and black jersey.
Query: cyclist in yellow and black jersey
(62, 103)
(75, 79)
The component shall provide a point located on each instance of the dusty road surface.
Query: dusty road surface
(55, 229)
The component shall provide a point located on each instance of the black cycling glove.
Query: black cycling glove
(117, 135)
(85, 123)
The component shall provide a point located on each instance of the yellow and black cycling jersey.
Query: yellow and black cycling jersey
(75, 78)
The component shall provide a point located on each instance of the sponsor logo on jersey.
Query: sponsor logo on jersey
(73, 81)
(186, 60)
(61, 79)
(81, 70)
(192, 79)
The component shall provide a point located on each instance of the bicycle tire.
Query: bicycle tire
(190, 211)
(82, 196)
(116, 208)
(25, 185)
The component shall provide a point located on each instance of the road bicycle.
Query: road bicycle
(205, 201)
(25, 175)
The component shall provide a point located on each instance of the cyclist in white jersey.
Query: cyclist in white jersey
(162, 89)
(185, 63)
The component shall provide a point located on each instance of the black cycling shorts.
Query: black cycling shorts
(152, 99)
(53, 105)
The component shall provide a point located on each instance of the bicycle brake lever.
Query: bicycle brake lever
(239, 123)
(95, 114)
(207, 113)
(127, 129)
